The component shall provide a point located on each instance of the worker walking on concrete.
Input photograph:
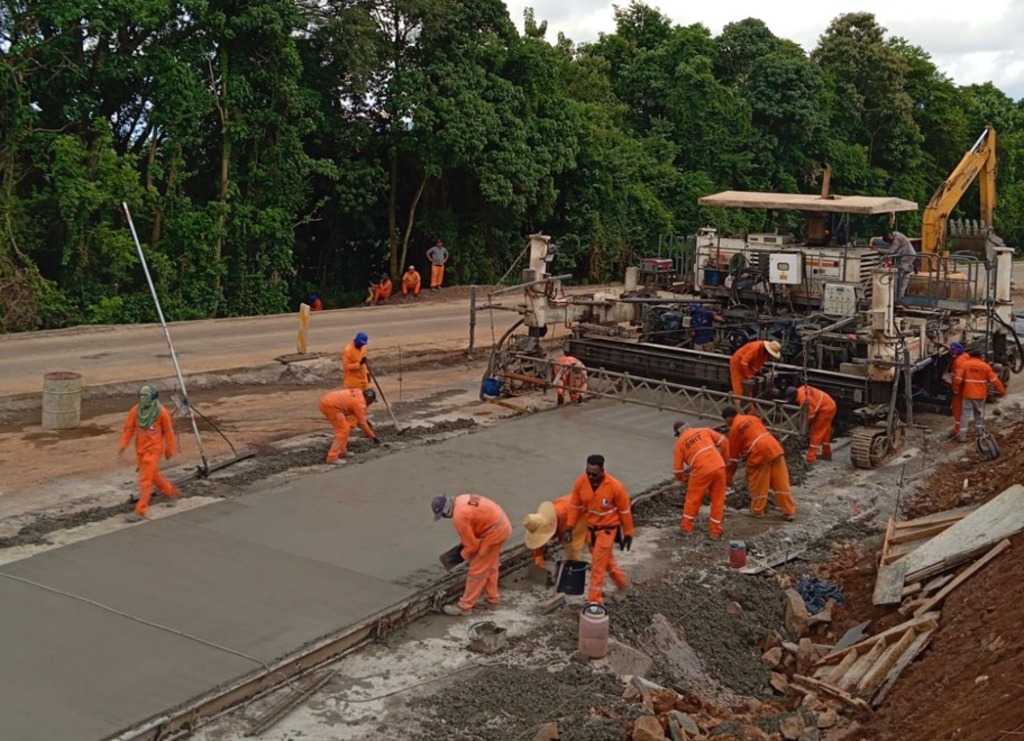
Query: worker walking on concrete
(438, 257)
(603, 502)
(570, 379)
(341, 406)
(766, 463)
(354, 373)
(699, 459)
(380, 292)
(971, 381)
(748, 362)
(551, 522)
(900, 251)
(150, 424)
(483, 529)
(821, 411)
(411, 281)
(956, 350)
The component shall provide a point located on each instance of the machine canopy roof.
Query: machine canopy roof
(807, 202)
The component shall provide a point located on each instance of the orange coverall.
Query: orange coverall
(699, 450)
(971, 382)
(337, 406)
(572, 551)
(605, 509)
(483, 529)
(746, 363)
(355, 374)
(411, 282)
(766, 464)
(958, 397)
(149, 444)
(821, 410)
(381, 291)
(571, 378)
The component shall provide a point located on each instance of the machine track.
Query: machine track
(870, 447)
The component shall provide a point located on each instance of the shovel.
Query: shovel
(451, 558)
(380, 391)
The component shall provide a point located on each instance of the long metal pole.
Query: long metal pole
(167, 334)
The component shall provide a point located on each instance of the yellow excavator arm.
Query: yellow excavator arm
(979, 162)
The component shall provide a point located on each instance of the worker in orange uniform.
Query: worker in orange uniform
(821, 411)
(748, 362)
(570, 379)
(603, 502)
(341, 406)
(483, 529)
(550, 522)
(380, 292)
(354, 372)
(411, 281)
(700, 452)
(150, 424)
(766, 463)
(956, 350)
(971, 381)
(315, 304)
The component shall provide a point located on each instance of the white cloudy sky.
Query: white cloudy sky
(969, 41)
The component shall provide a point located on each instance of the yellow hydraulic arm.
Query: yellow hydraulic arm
(979, 162)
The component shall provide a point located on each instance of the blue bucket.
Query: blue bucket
(572, 577)
(491, 387)
(712, 277)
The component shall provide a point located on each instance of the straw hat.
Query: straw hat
(541, 526)
(774, 348)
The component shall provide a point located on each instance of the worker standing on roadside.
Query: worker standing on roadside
(150, 424)
(956, 350)
(380, 292)
(603, 502)
(766, 463)
(355, 374)
(699, 459)
(898, 248)
(971, 381)
(551, 522)
(821, 411)
(411, 281)
(438, 257)
(570, 379)
(340, 406)
(748, 362)
(483, 529)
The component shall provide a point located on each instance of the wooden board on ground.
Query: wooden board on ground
(967, 574)
(816, 684)
(904, 537)
(904, 661)
(926, 621)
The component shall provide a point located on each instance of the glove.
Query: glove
(627, 541)
(362, 361)
(376, 441)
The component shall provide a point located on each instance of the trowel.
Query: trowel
(452, 557)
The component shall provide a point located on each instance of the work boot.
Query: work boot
(171, 502)
(753, 515)
(561, 401)
(455, 610)
(789, 518)
(133, 517)
(826, 453)
(712, 536)
(622, 595)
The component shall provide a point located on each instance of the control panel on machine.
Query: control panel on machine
(786, 268)
(840, 299)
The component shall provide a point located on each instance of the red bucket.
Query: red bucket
(737, 554)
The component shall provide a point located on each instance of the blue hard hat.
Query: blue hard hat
(362, 339)
(956, 348)
(437, 505)
(370, 395)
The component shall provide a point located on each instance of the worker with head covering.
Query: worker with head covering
(972, 380)
(438, 256)
(150, 424)
(411, 281)
(380, 292)
(766, 463)
(956, 350)
(570, 379)
(603, 502)
(315, 304)
(550, 522)
(821, 411)
(901, 252)
(483, 529)
(341, 406)
(354, 372)
(748, 362)
(699, 459)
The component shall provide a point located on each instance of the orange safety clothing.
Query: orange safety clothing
(382, 291)
(436, 276)
(766, 464)
(605, 509)
(570, 378)
(747, 363)
(149, 445)
(483, 529)
(337, 406)
(821, 411)
(411, 282)
(699, 452)
(317, 305)
(563, 506)
(958, 398)
(973, 377)
(354, 372)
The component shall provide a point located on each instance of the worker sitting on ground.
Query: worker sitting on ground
(748, 362)
(971, 381)
(900, 251)
(603, 502)
(570, 379)
(766, 463)
(315, 304)
(956, 350)
(380, 292)
(411, 281)
(699, 459)
(702, 327)
(550, 522)
(340, 406)
(821, 411)
(354, 372)
(483, 529)
(150, 424)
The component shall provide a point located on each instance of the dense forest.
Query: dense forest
(271, 148)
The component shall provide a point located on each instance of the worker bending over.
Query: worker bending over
(766, 463)
(971, 381)
(570, 379)
(354, 373)
(483, 529)
(411, 281)
(551, 522)
(603, 502)
(341, 406)
(699, 459)
(150, 424)
(748, 362)
(956, 350)
(380, 292)
(821, 411)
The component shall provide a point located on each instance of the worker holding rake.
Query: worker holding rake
(150, 424)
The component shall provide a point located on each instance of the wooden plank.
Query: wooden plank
(889, 583)
(937, 583)
(967, 574)
(908, 607)
(841, 668)
(890, 528)
(949, 515)
(908, 656)
(919, 534)
(877, 674)
(852, 636)
(855, 702)
(952, 562)
(912, 589)
(860, 667)
(922, 623)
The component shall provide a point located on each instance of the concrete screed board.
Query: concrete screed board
(270, 572)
